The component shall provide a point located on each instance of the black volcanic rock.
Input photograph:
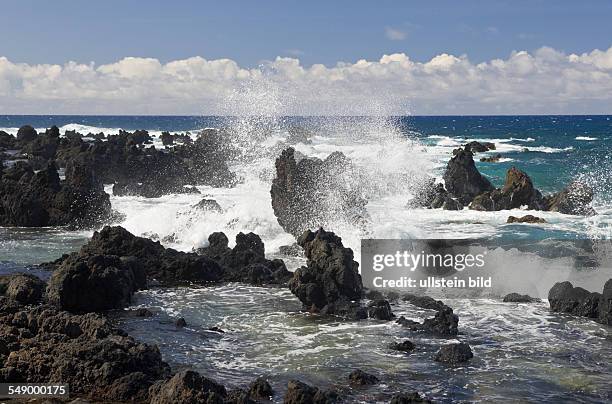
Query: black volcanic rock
(360, 378)
(97, 360)
(479, 147)
(92, 283)
(330, 283)
(462, 179)
(575, 199)
(525, 219)
(26, 134)
(40, 199)
(565, 298)
(404, 346)
(301, 393)
(444, 323)
(454, 353)
(409, 398)
(518, 298)
(187, 387)
(518, 191)
(380, 310)
(23, 288)
(311, 193)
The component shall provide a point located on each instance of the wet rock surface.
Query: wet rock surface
(310, 193)
(563, 297)
(575, 199)
(453, 354)
(360, 378)
(462, 179)
(301, 393)
(38, 199)
(518, 191)
(23, 288)
(525, 219)
(518, 298)
(444, 323)
(330, 283)
(404, 346)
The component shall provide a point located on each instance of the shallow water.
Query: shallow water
(521, 350)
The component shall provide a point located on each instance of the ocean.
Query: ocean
(521, 351)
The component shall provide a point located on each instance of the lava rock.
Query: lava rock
(492, 159)
(209, 204)
(23, 288)
(330, 282)
(26, 134)
(380, 310)
(479, 147)
(404, 346)
(293, 250)
(95, 283)
(424, 302)
(97, 360)
(518, 191)
(360, 378)
(301, 393)
(525, 219)
(565, 298)
(40, 199)
(180, 323)
(312, 193)
(462, 179)
(518, 298)
(454, 353)
(443, 324)
(187, 387)
(575, 199)
(260, 389)
(605, 304)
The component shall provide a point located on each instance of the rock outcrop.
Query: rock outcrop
(360, 378)
(518, 191)
(187, 387)
(38, 199)
(462, 179)
(563, 297)
(574, 200)
(23, 288)
(311, 193)
(518, 298)
(301, 393)
(525, 219)
(454, 354)
(330, 283)
(444, 323)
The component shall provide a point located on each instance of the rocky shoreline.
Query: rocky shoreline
(59, 330)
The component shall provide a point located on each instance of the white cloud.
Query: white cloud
(545, 81)
(395, 34)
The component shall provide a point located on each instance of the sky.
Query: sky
(314, 57)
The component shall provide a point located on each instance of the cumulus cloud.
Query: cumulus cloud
(395, 34)
(545, 81)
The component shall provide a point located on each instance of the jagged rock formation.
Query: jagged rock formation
(311, 193)
(565, 298)
(40, 199)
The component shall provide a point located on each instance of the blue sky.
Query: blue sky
(265, 57)
(314, 31)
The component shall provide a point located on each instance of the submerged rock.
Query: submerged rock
(330, 283)
(462, 179)
(311, 193)
(518, 298)
(454, 353)
(574, 200)
(404, 346)
(360, 378)
(301, 393)
(525, 219)
(492, 159)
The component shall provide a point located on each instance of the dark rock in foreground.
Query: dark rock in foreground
(187, 387)
(23, 288)
(462, 179)
(454, 353)
(260, 389)
(517, 298)
(87, 283)
(98, 361)
(311, 193)
(301, 393)
(565, 298)
(360, 378)
(330, 283)
(525, 219)
(380, 310)
(479, 147)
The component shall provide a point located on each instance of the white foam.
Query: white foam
(586, 138)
